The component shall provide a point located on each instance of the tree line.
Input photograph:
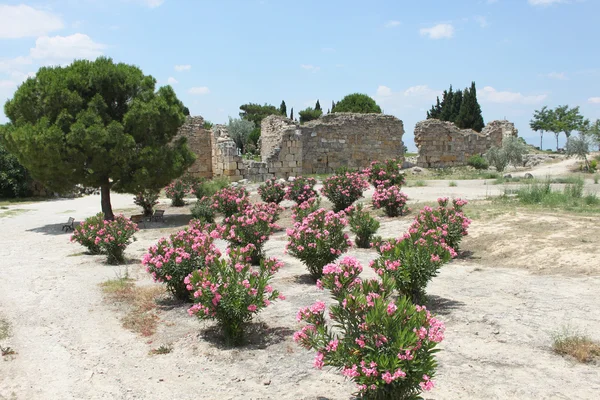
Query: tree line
(564, 119)
(460, 107)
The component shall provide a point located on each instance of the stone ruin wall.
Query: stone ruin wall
(442, 144)
(290, 149)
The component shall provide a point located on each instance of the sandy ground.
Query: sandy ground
(527, 277)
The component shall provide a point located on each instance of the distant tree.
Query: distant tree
(579, 146)
(283, 109)
(318, 105)
(292, 114)
(567, 120)
(15, 181)
(358, 103)
(309, 114)
(98, 124)
(256, 113)
(435, 111)
(515, 149)
(456, 103)
(240, 130)
(593, 132)
(541, 122)
(328, 111)
(186, 111)
(332, 106)
(446, 109)
(469, 116)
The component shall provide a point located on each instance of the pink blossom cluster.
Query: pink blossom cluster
(108, 237)
(231, 200)
(385, 173)
(272, 191)
(391, 199)
(301, 211)
(86, 233)
(177, 190)
(343, 190)
(301, 189)
(319, 239)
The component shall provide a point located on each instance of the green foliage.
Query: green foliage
(478, 162)
(203, 210)
(207, 188)
(571, 197)
(15, 181)
(177, 191)
(85, 233)
(318, 106)
(98, 124)
(542, 121)
(344, 189)
(514, 149)
(208, 125)
(301, 190)
(357, 103)
(256, 113)
(469, 116)
(363, 226)
(272, 191)
(147, 199)
(239, 130)
(309, 114)
(117, 236)
(283, 109)
(592, 131)
(497, 158)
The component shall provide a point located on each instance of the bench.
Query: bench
(70, 225)
(158, 216)
(138, 219)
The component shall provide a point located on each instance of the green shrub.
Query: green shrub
(14, 178)
(452, 184)
(497, 158)
(176, 191)
(272, 191)
(344, 190)
(203, 210)
(301, 190)
(207, 188)
(86, 233)
(363, 226)
(478, 162)
(357, 103)
(147, 199)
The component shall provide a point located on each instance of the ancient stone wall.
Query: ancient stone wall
(200, 141)
(443, 144)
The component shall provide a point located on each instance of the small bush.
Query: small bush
(249, 229)
(301, 189)
(452, 184)
(318, 240)
(114, 238)
(497, 158)
(207, 188)
(231, 292)
(231, 200)
(86, 233)
(385, 173)
(478, 162)
(173, 259)
(451, 221)
(147, 199)
(391, 199)
(385, 345)
(573, 344)
(272, 191)
(177, 191)
(302, 210)
(203, 210)
(363, 226)
(593, 166)
(344, 190)
(596, 178)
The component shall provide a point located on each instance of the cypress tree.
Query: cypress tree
(332, 106)
(292, 114)
(478, 123)
(318, 106)
(283, 109)
(469, 116)
(435, 111)
(446, 113)
(456, 102)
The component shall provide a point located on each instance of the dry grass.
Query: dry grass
(580, 347)
(162, 349)
(139, 303)
(4, 329)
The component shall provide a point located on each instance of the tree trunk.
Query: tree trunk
(105, 201)
(541, 141)
(556, 134)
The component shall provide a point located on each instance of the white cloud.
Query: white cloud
(184, 67)
(594, 100)
(172, 81)
(482, 21)
(384, 91)
(392, 24)
(557, 75)
(491, 95)
(545, 2)
(422, 91)
(25, 21)
(66, 48)
(199, 90)
(439, 31)
(310, 67)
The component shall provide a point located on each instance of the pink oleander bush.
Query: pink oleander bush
(318, 240)
(231, 292)
(391, 199)
(301, 189)
(176, 191)
(250, 229)
(385, 345)
(86, 233)
(343, 190)
(362, 225)
(231, 200)
(171, 260)
(272, 191)
(272, 208)
(114, 238)
(451, 219)
(385, 173)
(413, 260)
(302, 210)
(147, 199)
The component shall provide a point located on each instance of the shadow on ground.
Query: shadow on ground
(442, 305)
(258, 336)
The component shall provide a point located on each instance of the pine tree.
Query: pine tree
(318, 106)
(292, 114)
(283, 109)
(435, 111)
(446, 113)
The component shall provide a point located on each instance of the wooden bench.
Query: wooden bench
(158, 216)
(138, 219)
(70, 225)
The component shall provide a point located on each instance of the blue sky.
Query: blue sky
(523, 54)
